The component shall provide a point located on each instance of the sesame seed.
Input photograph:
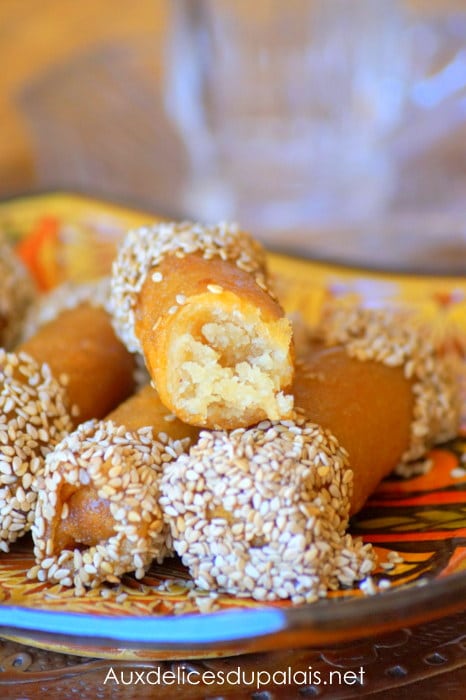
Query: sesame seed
(258, 541)
(169, 418)
(215, 288)
(33, 406)
(143, 250)
(107, 453)
(16, 295)
(66, 296)
(387, 566)
(395, 338)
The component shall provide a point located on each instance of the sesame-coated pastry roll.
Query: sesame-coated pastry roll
(77, 341)
(375, 379)
(195, 300)
(33, 418)
(97, 515)
(16, 295)
(72, 368)
(66, 296)
(263, 512)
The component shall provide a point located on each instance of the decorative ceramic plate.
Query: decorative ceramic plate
(418, 526)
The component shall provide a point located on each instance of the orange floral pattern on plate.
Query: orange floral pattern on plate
(423, 519)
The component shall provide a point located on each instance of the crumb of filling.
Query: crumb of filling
(233, 366)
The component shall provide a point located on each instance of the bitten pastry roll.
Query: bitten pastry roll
(16, 295)
(98, 515)
(195, 300)
(73, 367)
(377, 382)
(263, 512)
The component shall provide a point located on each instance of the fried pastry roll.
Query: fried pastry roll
(196, 302)
(263, 512)
(377, 382)
(73, 335)
(72, 368)
(97, 515)
(33, 418)
(16, 294)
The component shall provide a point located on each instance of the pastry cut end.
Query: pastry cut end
(229, 367)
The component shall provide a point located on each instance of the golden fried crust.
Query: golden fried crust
(145, 409)
(192, 275)
(81, 344)
(89, 519)
(207, 324)
(97, 514)
(88, 522)
(367, 405)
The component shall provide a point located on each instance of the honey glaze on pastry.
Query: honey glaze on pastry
(71, 331)
(97, 514)
(47, 307)
(377, 382)
(70, 368)
(196, 301)
(263, 512)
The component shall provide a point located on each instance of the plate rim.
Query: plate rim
(317, 622)
(391, 608)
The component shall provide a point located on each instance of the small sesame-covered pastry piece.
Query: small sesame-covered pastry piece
(375, 379)
(33, 418)
(97, 515)
(16, 294)
(263, 512)
(72, 368)
(195, 300)
(74, 336)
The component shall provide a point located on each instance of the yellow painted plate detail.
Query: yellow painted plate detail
(69, 237)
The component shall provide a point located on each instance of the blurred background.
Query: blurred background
(330, 128)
